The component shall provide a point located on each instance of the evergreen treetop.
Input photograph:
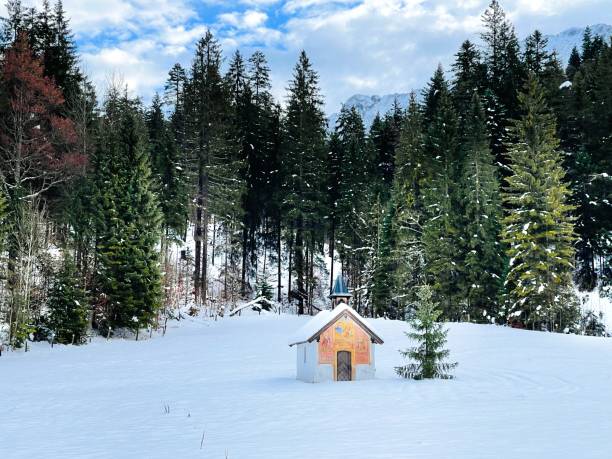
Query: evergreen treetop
(469, 76)
(574, 64)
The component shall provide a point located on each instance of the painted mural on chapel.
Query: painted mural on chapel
(344, 335)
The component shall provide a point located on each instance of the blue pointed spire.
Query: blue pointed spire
(340, 288)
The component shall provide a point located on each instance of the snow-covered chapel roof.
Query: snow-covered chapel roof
(324, 319)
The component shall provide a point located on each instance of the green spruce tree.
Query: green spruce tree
(206, 120)
(573, 65)
(169, 170)
(505, 74)
(412, 163)
(429, 354)
(538, 228)
(127, 219)
(68, 312)
(412, 169)
(441, 200)
(303, 160)
(483, 261)
(385, 135)
(174, 98)
(61, 59)
(469, 78)
(589, 164)
(382, 285)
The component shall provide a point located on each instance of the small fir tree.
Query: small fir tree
(67, 318)
(264, 289)
(592, 324)
(430, 336)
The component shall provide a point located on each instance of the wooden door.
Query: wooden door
(344, 370)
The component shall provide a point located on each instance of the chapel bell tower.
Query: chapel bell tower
(340, 293)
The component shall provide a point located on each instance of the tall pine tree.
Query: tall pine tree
(303, 163)
(412, 171)
(169, 171)
(128, 220)
(482, 258)
(537, 227)
(442, 206)
(505, 74)
(206, 102)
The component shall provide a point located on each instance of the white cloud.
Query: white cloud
(549, 7)
(248, 20)
(259, 2)
(291, 6)
(386, 46)
(134, 71)
(180, 36)
(379, 46)
(374, 46)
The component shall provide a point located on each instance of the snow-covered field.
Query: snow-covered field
(517, 394)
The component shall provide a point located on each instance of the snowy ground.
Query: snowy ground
(518, 394)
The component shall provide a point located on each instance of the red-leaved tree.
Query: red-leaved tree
(37, 144)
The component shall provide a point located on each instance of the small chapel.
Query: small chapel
(336, 344)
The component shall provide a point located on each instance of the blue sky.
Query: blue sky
(357, 46)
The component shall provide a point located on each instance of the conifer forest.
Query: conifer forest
(491, 190)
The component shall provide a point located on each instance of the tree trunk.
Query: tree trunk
(204, 281)
(214, 241)
(332, 248)
(307, 279)
(290, 267)
(278, 251)
(311, 289)
(299, 265)
(244, 261)
(198, 236)
(225, 268)
(11, 287)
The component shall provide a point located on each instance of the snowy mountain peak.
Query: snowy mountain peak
(562, 43)
(369, 106)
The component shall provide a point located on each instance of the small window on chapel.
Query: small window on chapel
(304, 354)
